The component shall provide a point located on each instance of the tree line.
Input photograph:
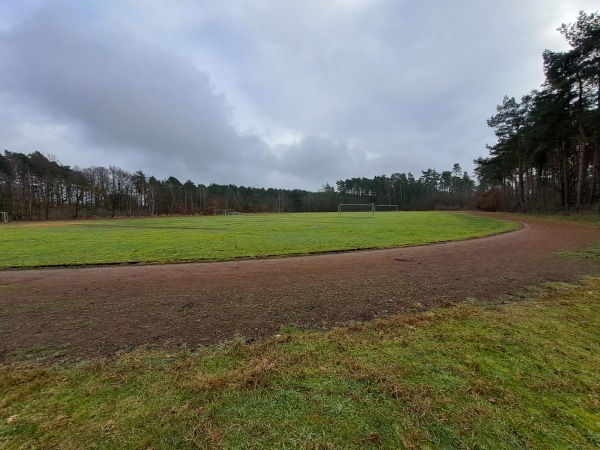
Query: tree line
(35, 187)
(546, 157)
(449, 189)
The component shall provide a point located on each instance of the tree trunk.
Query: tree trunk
(582, 147)
(594, 174)
(521, 187)
(580, 173)
(565, 177)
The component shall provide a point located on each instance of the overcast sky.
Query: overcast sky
(268, 93)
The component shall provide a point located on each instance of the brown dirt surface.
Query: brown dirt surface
(65, 315)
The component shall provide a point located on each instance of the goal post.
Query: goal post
(356, 207)
(3, 217)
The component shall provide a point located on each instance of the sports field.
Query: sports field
(224, 238)
(451, 346)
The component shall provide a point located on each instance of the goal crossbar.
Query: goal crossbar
(371, 207)
(391, 207)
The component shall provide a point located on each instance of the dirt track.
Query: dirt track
(67, 314)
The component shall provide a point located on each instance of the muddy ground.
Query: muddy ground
(70, 314)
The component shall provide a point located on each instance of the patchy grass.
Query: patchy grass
(523, 375)
(593, 218)
(222, 238)
(6, 287)
(591, 251)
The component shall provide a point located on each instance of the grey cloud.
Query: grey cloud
(320, 159)
(124, 94)
(349, 88)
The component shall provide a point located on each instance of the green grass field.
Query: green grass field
(223, 238)
(523, 375)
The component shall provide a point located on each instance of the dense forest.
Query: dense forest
(34, 187)
(546, 157)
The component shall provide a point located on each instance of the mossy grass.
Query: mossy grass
(521, 375)
(223, 238)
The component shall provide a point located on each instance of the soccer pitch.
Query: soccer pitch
(224, 238)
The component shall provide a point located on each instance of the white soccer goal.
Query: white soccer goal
(386, 207)
(226, 212)
(356, 207)
(3, 216)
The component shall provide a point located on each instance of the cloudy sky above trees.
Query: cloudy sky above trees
(267, 93)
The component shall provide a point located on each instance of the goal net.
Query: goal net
(3, 217)
(356, 207)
